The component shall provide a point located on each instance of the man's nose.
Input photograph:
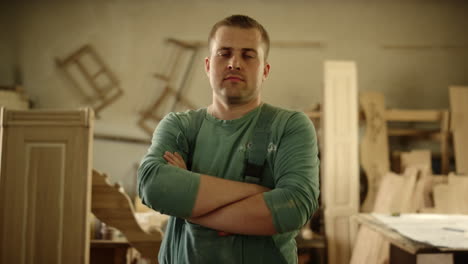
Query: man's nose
(234, 63)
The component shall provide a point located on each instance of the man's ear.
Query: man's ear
(207, 66)
(266, 71)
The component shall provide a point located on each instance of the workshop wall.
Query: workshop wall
(129, 35)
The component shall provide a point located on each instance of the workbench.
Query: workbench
(404, 250)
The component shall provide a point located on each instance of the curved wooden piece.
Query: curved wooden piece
(374, 145)
(114, 207)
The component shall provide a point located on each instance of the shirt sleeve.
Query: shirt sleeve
(163, 187)
(296, 175)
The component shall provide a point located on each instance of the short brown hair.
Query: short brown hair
(245, 22)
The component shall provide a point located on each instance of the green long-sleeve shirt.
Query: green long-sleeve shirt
(221, 150)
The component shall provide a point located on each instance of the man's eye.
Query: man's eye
(249, 56)
(224, 54)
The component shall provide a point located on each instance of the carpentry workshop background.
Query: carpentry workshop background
(385, 83)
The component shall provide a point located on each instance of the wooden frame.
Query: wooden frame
(174, 78)
(99, 96)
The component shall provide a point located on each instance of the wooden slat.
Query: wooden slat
(459, 126)
(119, 138)
(444, 142)
(401, 115)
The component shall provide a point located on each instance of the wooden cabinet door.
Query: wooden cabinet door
(45, 186)
(340, 164)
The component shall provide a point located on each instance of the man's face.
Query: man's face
(236, 66)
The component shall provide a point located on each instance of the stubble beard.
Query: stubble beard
(238, 98)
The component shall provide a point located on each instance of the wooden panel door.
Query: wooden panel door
(340, 164)
(45, 186)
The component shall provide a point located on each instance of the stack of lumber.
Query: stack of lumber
(414, 191)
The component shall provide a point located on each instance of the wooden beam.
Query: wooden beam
(125, 139)
(403, 115)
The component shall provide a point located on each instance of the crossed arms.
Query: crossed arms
(230, 206)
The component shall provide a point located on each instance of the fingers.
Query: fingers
(169, 157)
(175, 159)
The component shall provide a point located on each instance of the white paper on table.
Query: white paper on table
(439, 230)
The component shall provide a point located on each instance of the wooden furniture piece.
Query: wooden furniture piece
(405, 251)
(174, 76)
(109, 252)
(45, 186)
(312, 250)
(439, 118)
(459, 126)
(88, 72)
(340, 165)
(114, 207)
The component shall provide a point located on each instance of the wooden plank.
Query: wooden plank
(395, 195)
(420, 159)
(444, 142)
(13, 100)
(124, 139)
(458, 193)
(340, 170)
(459, 126)
(45, 187)
(422, 196)
(374, 145)
(404, 115)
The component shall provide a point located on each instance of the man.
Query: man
(239, 201)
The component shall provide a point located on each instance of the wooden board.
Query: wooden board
(340, 165)
(459, 126)
(420, 159)
(394, 196)
(459, 192)
(374, 145)
(45, 186)
(452, 197)
(13, 100)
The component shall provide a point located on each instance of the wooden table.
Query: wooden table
(404, 250)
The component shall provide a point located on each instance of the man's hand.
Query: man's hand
(175, 159)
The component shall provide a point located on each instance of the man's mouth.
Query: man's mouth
(234, 78)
